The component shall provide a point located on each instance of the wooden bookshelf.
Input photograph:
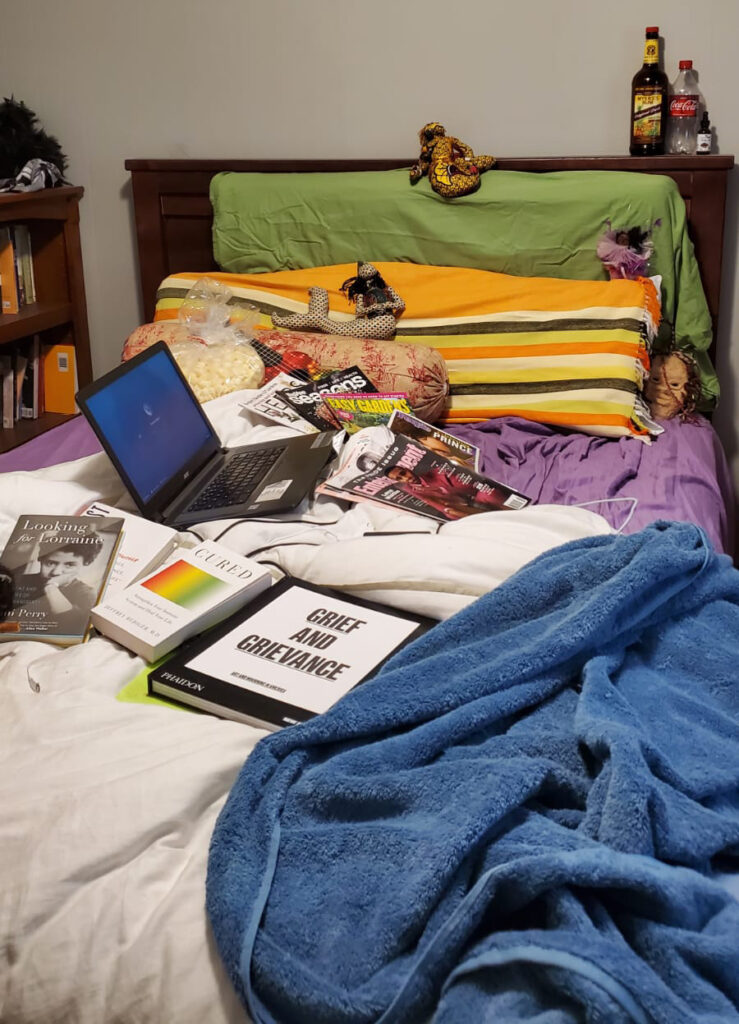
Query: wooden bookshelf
(59, 315)
(26, 430)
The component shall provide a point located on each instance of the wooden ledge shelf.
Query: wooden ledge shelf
(26, 430)
(36, 317)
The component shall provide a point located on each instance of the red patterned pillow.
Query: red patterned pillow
(417, 370)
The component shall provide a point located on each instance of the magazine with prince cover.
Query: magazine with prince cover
(435, 439)
(408, 477)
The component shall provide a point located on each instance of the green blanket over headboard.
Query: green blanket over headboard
(529, 225)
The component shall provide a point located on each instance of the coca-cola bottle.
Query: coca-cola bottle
(649, 88)
(685, 106)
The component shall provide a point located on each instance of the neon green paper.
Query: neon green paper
(137, 691)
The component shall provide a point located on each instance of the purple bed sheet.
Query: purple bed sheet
(70, 440)
(683, 475)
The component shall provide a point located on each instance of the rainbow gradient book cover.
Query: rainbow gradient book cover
(186, 585)
(195, 588)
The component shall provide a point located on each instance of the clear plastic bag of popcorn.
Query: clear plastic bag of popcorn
(217, 357)
(215, 370)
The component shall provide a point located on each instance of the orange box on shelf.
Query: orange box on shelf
(60, 379)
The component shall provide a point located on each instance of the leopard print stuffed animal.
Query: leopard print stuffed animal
(452, 167)
(377, 304)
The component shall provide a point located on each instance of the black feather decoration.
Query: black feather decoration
(22, 139)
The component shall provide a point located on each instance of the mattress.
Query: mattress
(108, 807)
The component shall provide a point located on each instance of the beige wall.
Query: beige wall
(281, 78)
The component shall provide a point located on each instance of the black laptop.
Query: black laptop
(170, 458)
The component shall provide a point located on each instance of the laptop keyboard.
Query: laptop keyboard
(235, 483)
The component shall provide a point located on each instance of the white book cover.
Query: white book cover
(305, 649)
(267, 403)
(144, 545)
(196, 588)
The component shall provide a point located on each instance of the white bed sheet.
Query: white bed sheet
(108, 808)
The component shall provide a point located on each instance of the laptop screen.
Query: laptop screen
(151, 422)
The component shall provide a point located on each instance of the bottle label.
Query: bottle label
(651, 51)
(683, 106)
(647, 116)
(703, 143)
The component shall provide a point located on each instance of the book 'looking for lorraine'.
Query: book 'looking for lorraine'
(60, 566)
(290, 655)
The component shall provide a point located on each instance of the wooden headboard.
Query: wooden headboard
(174, 216)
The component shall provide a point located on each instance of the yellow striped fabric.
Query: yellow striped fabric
(569, 353)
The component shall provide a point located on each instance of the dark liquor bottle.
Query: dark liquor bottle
(649, 101)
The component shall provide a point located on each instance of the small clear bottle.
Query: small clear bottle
(684, 107)
(704, 139)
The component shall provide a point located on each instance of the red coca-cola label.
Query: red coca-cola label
(683, 106)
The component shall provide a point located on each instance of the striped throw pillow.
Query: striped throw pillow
(571, 354)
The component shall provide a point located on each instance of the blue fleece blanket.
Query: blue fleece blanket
(524, 816)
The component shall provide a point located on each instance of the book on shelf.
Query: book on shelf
(28, 398)
(59, 565)
(20, 364)
(307, 399)
(59, 372)
(194, 589)
(7, 391)
(144, 545)
(391, 469)
(9, 291)
(354, 412)
(20, 382)
(24, 261)
(17, 278)
(289, 655)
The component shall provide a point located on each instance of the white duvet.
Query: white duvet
(107, 807)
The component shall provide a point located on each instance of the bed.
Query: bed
(110, 805)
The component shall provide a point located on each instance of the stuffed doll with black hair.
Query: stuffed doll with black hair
(30, 158)
(378, 307)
